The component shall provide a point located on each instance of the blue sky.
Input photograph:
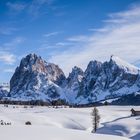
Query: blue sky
(68, 32)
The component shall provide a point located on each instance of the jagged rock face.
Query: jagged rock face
(90, 76)
(108, 80)
(116, 76)
(55, 74)
(73, 83)
(75, 77)
(35, 78)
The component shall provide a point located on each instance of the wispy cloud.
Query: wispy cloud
(7, 58)
(64, 43)
(131, 15)
(120, 36)
(16, 6)
(6, 49)
(79, 38)
(98, 30)
(9, 70)
(51, 34)
(55, 46)
(13, 43)
(7, 30)
(33, 7)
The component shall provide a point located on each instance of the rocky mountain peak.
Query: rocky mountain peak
(32, 63)
(75, 76)
(36, 77)
(127, 67)
(35, 64)
(76, 71)
(93, 68)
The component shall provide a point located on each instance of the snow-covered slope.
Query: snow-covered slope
(129, 68)
(118, 121)
(69, 123)
(51, 133)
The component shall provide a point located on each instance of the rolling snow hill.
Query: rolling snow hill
(68, 123)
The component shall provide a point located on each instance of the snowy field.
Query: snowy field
(68, 123)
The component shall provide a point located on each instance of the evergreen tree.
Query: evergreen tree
(95, 119)
(106, 103)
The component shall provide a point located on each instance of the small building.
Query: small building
(134, 112)
(28, 123)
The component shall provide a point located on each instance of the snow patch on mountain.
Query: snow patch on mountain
(129, 68)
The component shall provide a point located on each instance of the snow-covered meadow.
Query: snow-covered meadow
(68, 123)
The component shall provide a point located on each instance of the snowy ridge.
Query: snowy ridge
(124, 65)
(36, 79)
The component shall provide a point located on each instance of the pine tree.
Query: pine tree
(105, 103)
(95, 119)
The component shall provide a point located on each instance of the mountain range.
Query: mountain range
(35, 79)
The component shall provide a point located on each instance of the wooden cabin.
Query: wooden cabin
(134, 112)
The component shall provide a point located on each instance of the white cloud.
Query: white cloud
(64, 44)
(41, 2)
(7, 30)
(131, 15)
(35, 6)
(98, 30)
(7, 58)
(121, 37)
(16, 6)
(32, 7)
(9, 70)
(16, 41)
(80, 38)
(51, 34)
